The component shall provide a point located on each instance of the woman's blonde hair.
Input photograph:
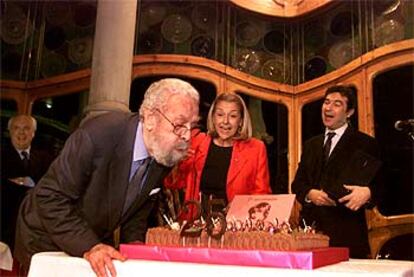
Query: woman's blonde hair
(245, 130)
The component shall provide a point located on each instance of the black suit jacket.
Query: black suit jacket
(344, 227)
(78, 203)
(13, 194)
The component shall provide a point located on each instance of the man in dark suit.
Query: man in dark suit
(22, 165)
(106, 177)
(339, 176)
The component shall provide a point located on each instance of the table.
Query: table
(59, 264)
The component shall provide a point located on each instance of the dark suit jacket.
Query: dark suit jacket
(78, 203)
(13, 194)
(344, 227)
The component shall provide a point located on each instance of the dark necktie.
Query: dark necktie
(25, 161)
(134, 186)
(327, 146)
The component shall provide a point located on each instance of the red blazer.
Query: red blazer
(248, 172)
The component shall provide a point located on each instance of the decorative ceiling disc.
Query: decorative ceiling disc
(203, 46)
(342, 53)
(15, 26)
(153, 13)
(342, 22)
(388, 31)
(315, 67)
(176, 28)
(276, 69)
(385, 7)
(204, 16)
(275, 42)
(247, 61)
(248, 33)
(80, 50)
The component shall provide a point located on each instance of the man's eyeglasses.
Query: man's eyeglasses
(179, 129)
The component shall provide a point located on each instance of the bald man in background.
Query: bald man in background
(21, 167)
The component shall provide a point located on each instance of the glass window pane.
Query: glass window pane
(393, 101)
(269, 122)
(57, 117)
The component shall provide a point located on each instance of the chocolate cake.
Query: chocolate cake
(250, 240)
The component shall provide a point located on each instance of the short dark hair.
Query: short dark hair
(349, 92)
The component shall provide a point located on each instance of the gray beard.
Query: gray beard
(168, 158)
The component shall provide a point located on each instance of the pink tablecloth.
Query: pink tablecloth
(282, 259)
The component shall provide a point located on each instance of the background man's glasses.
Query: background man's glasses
(179, 129)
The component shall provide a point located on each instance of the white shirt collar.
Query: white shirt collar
(21, 150)
(339, 132)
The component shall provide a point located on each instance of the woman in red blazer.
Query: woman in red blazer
(225, 161)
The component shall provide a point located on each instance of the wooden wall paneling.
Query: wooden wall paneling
(381, 60)
(282, 8)
(57, 86)
(19, 96)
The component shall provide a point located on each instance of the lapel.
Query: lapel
(200, 156)
(238, 159)
(319, 149)
(156, 172)
(14, 163)
(119, 168)
(314, 160)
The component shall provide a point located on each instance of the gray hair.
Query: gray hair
(159, 92)
(13, 118)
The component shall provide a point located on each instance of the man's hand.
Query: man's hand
(100, 257)
(320, 198)
(357, 198)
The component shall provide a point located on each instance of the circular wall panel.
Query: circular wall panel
(275, 42)
(176, 28)
(247, 61)
(315, 67)
(153, 13)
(14, 25)
(204, 16)
(80, 50)
(203, 46)
(276, 69)
(248, 33)
(388, 31)
(342, 52)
